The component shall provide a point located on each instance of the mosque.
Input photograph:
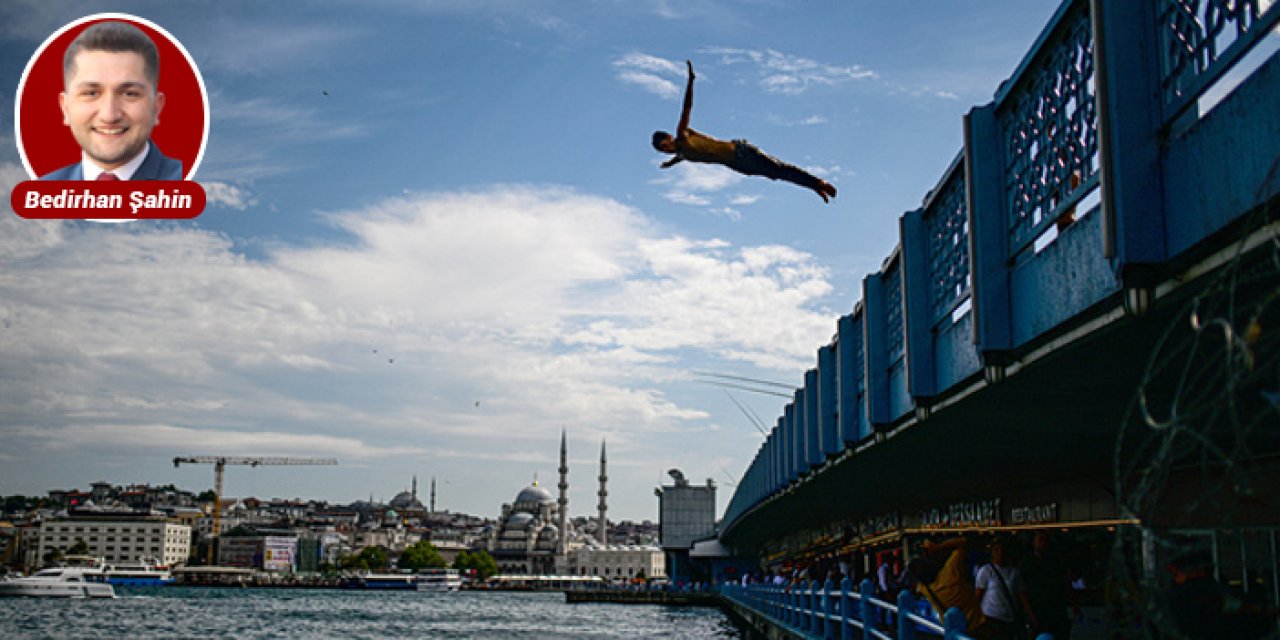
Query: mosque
(534, 535)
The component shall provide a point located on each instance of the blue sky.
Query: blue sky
(476, 199)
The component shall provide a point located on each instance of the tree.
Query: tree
(369, 559)
(52, 557)
(206, 496)
(78, 549)
(420, 555)
(480, 561)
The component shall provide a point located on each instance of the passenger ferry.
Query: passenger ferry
(57, 582)
(382, 581)
(439, 580)
(136, 574)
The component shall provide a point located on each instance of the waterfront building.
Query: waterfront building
(687, 513)
(118, 537)
(273, 552)
(534, 535)
(527, 540)
(619, 562)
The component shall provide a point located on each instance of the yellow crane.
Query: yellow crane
(219, 463)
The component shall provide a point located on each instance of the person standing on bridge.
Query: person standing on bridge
(1000, 588)
(941, 578)
(739, 155)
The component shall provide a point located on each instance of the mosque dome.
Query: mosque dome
(519, 520)
(405, 500)
(535, 494)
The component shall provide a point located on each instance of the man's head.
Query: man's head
(662, 141)
(109, 98)
(999, 551)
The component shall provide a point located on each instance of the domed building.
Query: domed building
(408, 500)
(527, 539)
(534, 535)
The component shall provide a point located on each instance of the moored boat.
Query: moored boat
(381, 581)
(137, 574)
(439, 580)
(57, 582)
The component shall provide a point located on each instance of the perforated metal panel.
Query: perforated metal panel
(1050, 133)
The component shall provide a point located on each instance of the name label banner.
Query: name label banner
(108, 200)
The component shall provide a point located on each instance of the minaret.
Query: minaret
(433, 495)
(602, 532)
(415, 486)
(562, 546)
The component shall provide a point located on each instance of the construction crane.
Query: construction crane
(219, 463)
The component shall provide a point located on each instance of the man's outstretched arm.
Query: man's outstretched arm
(671, 163)
(688, 103)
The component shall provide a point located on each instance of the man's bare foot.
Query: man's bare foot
(825, 190)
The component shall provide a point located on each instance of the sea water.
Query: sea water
(201, 612)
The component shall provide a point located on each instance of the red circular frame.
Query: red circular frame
(46, 144)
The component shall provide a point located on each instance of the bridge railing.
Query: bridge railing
(839, 611)
(1087, 174)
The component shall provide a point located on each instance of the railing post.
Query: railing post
(814, 455)
(791, 442)
(846, 629)
(1127, 77)
(921, 380)
(875, 349)
(953, 624)
(849, 357)
(906, 606)
(802, 430)
(828, 609)
(827, 399)
(868, 610)
(793, 613)
(815, 608)
(988, 240)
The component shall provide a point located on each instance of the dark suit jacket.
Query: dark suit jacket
(157, 166)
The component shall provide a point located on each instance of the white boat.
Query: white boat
(57, 582)
(136, 574)
(439, 580)
(381, 581)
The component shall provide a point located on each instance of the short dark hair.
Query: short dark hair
(658, 137)
(116, 37)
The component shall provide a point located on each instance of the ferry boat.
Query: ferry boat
(137, 574)
(57, 582)
(439, 580)
(382, 581)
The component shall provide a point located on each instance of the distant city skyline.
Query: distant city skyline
(437, 235)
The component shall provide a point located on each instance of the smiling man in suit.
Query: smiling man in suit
(111, 103)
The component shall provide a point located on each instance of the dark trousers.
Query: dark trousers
(750, 160)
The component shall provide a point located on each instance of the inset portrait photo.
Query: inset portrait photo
(111, 97)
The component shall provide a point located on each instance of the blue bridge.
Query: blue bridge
(1077, 333)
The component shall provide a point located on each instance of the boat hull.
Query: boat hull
(15, 588)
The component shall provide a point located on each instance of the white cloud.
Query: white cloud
(744, 200)
(647, 72)
(651, 83)
(162, 440)
(228, 195)
(449, 326)
(780, 72)
(255, 47)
